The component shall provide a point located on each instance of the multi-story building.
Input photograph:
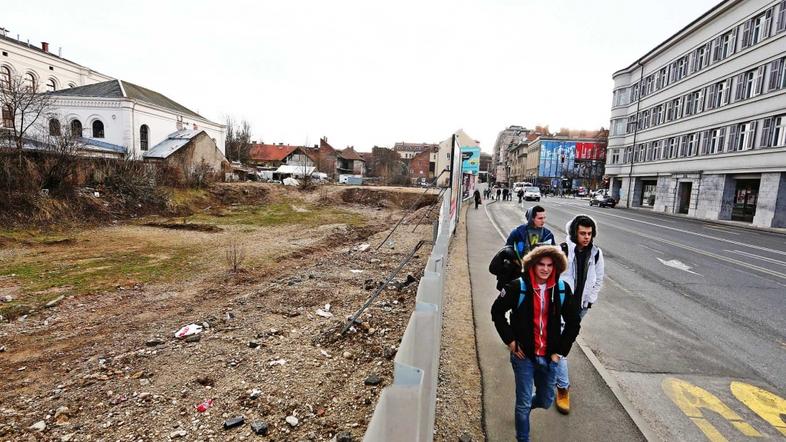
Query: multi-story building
(553, 159)
(698, 124)
(421, 159)
(501, 157)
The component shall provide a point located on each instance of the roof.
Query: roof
(350, 154)
(270, 152)
(171, 144)
(367, 156)
(414, 147)
(37, 49)
(295, 170)
(124, 89)
(102, 146)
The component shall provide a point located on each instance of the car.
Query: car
(531, 193)
(520, 186)
(582, 192)
(603, 198)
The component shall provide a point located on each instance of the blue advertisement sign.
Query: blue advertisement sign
(470, 160)
(556, 157)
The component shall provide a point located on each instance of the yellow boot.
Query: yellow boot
(563, 400)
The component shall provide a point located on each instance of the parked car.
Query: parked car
(531, 193)
(520, 186)
(603, 198)
(582, 192)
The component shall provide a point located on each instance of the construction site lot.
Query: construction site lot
(270, 274)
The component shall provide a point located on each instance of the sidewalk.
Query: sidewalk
(595, 412)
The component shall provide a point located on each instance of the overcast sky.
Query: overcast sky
(365, 72)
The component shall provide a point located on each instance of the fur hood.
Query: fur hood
(560, 261)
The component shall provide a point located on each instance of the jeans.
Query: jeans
(562, 379)
(529, 373)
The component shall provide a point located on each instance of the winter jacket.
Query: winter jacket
(518, 237)
(521, 325)
(595, 270)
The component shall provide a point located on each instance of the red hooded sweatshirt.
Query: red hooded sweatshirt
(540, 311)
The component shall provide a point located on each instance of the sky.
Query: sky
(365, 72)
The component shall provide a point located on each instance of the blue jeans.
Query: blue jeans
(529, 373)
(562, 379)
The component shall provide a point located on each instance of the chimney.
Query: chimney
(45, 46)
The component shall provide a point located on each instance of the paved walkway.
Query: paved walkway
(596, 414)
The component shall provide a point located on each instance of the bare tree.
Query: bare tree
(238, 140)
(22, 108)
(59, 146)
(235, 254)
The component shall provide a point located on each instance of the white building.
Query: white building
(124, 114)
(38, 66)
(443, 155)
(698, 124)
(504, 155)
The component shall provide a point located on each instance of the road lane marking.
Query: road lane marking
(768, 406)
(676, 264)
(692, 399)
(699, 234)
(763, 258)
(705, 253)
(654, 250)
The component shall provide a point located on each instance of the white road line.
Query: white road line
(763, 258)
(700, 235)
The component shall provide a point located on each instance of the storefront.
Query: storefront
(746, 194)
(648, 188)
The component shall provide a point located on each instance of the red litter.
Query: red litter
(204, 406)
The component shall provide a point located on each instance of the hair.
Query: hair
(536, 210)
(583, 221)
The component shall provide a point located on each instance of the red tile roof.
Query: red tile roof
(350, 154)
(270, 152)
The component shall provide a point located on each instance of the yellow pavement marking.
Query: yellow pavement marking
(691, 399)
(768, 406)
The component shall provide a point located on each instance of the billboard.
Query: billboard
(471, 160)
(590, 151)
(556, 157)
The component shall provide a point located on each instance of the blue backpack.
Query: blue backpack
(523, 291)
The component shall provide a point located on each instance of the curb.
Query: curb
(717, 222)
(605, 374)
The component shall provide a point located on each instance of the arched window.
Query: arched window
(98, 129)
(5, 77)
(144, 134)
(8, 116)
(76, 128)
(30, 81)
(51, 85)
(54, 127)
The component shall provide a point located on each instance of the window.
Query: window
(683, 146)
(663, 77)
(747, 132)
(727, 43)
(98, 129)
(699, 59)
(628, 154)
(657, 115)
(760, 27)
(778, 137)
(692, 102)
(644, 122)
(716, 140)
(719, 94)
(673, 147)
(54, 127)
(30, 81)
(676, 105)
(8, 116)
(656, 150)
(5, 77)
(749, 84)
(143, 137)
(693, 144)
(634, 92)
(777, 74)
(631, 124)
(615, 156)
(51, 85)
(76, 128)
(782, 17)
(682, 67)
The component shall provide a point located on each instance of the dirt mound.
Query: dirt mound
(390, 198)
(240, 193)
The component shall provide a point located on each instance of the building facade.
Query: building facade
(552, 160)
(698, 124)
(502, 157)
(444, 154)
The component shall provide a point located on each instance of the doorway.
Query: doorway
(685, 188)
(648, 189)
(746, 194)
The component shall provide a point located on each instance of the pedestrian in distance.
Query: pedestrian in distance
(499, 192)
(537, 301)
(532, 233)
(584, 274)
(476, 195)
(520, 194)
(505, 194)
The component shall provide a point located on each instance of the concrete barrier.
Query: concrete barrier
(406, 408)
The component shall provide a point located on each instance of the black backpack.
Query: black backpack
(505, 265)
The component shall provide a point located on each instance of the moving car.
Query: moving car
(531, 193)
(520, 186)
(603, 198)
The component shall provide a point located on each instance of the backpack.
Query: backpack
(523, 291)
(505, 265)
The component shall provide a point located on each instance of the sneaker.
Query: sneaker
(563, 400)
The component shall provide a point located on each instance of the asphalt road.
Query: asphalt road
(691, 321)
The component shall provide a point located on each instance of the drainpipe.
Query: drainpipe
(635, 131)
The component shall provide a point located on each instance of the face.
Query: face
(543, 269)
(584, 236)
(539, 220)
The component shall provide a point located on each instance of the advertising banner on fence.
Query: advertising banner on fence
(470, 160)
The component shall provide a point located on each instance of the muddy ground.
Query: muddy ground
(103, 364)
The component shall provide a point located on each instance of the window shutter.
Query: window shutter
(752, 138)
(729, 82)
(715, 54)
(746, 34)
(766, 128)
(700, 99)
(721, 139)
(760, 79)
(765, 32)
(734, 36)
(712, 94)
(782, 17)
(705, 142)
(732, 146)
(775, 73)
(692, 56)
(707, 52)
(740, 87)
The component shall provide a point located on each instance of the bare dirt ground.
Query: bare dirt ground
(103, 364)
(459, 409)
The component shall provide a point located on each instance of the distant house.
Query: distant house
(188, 149)
(350, 163)
(120, 113)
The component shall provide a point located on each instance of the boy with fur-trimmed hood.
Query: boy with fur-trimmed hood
(538, 303)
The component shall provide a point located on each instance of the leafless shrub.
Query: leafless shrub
(235, 255)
